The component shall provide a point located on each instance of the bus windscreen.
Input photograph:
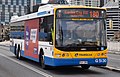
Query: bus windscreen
(80, 13)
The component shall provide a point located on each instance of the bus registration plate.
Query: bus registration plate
(83, 62)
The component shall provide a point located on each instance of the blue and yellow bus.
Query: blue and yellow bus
(61, 35)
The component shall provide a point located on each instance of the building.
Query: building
(37, 1)
(33, 3)
(94, 3)
(4, 32)
(1, 32)
(57, 2)
(9, 8)
(117, 36)
(113, 13)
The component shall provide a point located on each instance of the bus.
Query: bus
(61, 35)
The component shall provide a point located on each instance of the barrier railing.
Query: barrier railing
(113, 46)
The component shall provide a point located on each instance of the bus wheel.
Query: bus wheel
(42, 62)
(85, 66)
(15, 49)
(19, 55)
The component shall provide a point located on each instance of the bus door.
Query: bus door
(31, 38)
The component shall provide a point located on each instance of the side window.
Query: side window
(17, 30)
(46, 24)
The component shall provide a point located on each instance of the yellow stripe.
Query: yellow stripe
(80, 54)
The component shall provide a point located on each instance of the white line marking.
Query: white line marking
(29, 67)
(112, 68)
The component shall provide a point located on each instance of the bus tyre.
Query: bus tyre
(42, 62)
(85, 66)
(15, 50)
(19, 55)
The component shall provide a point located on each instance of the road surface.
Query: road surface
(12, 67)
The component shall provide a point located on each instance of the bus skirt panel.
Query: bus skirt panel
(76, 62)
(70, 62)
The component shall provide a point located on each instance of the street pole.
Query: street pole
(31, 5)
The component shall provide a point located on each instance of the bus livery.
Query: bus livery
(61, 35)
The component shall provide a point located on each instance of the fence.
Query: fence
(113, 46)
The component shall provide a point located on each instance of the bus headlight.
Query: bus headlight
(58, 55)
(63, 55)
(98, 54)
(105, 54)
(102, 54)
(76, 54)
(67, 54)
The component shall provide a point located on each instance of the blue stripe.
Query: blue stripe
(41, 13)
(28, 57)
(16, 34)
(74, 62)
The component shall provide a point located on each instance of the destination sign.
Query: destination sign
(80, 13)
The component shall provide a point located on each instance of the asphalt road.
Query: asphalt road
(114, 61)
(12, 67)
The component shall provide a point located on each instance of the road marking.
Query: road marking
(27, 66)
(114, 58)
(112, 68)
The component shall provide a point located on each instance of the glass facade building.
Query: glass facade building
(85, 2)
(9, 8)
(35, 2)
(94, 3)
(38, 1)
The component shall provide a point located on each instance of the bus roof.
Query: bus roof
(46, 10)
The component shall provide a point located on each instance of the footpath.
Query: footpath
(114, 52)
(113, 63)
(109, 67)
(5, 43)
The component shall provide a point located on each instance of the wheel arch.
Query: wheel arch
(41, 52)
